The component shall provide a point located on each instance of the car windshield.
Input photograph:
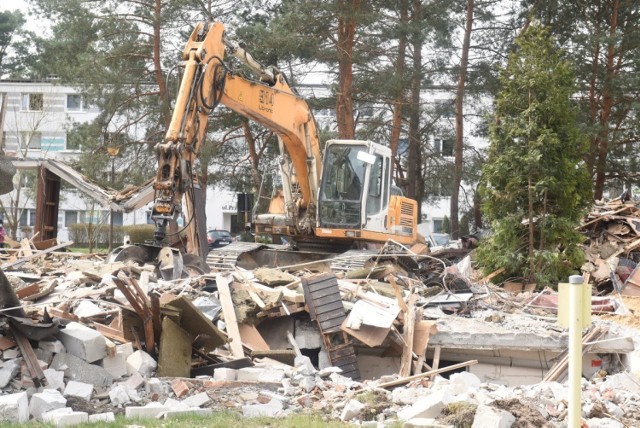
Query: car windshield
(219, 234)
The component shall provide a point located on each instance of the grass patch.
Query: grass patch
(223, 419)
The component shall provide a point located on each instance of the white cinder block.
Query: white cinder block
(83, 342)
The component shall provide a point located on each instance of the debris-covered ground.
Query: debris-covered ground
(416, 336)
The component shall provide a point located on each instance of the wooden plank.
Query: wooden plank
(409, 326)
(33, 365)
(251, 338)
(230, 320)
(425, 374)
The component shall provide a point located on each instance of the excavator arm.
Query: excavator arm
(207, 82)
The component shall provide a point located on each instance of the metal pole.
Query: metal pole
(113, 172)
(575, 350)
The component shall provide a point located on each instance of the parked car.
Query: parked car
(219, 238)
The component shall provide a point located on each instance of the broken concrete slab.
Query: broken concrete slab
(352, 410)
(150, 411)
(42, 402)
(65, 416)
(77, 369)
(272, 409)
(79, 390)
(174, 355)
(260, 374)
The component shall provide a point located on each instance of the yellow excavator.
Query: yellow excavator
(340, 200)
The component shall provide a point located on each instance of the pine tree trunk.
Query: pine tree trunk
(344, 99)
(157, 65)
(398, 102)
(414, 164)
(457, 171)
(607, 105)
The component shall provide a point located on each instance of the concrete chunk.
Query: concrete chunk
(141, 362)
(8, 371)
(78, 389)
(272, 409)
(225, 374)
(150, 411)
(77, 369)
(83, 342)
(260, 374)
(14, 407)
(65, 417)
(426, 407)
(118, 395)
(102, 417)
(47, 400)
(116, 365)
(55, 379)
(53, 346)
(87, 308)
(490, 417)
(352, 410)
(197, 400)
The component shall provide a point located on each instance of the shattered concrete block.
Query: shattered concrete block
(77, 369)
(8, 371)
(14, 407)
(102, 417)
(135, 381)
(87, 308)
(65, 417)
(116, 365)
(175, 404)
(490, 417)
(155, 386)
(197, 400)
(83, 342)
(118, 395)
(260, 374)
(55, 379)
(423, 423)
(224, 373)
(307, 383)
(78, 389)
(150, 411)
(352, 410)
(307, 334)
(141, 362)
(126, 349)
(427, 407)
(179, 413)
(42, 402)
(303, 365)
(604, 423)
(272, 409)
(463, 382)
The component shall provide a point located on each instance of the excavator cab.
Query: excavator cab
(355, 188)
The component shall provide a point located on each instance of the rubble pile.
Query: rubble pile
(396, 338)
(613, 247)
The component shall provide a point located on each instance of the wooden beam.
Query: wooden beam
(230, 320)
(425, 374)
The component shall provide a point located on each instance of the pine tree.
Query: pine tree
(535, 185)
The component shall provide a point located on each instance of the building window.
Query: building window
(74, 102)
(32, 102)
(117, 218)
(444, 146)
(31, 140)
(438, 225)
(27, 218)
(70, 218)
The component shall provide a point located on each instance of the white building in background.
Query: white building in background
(39, 114)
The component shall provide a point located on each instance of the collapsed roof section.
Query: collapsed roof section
(51, 172)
